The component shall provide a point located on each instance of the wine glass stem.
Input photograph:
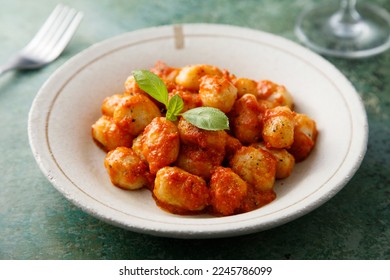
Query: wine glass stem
(346, 23)
(349, 13)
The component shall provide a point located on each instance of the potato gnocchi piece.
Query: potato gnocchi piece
(126, 169)
(131, 87)
(278, 127)
(179, 191)
(189, 76)
(285, 161)
(278, 95)
(227, 191)
(217, 92)
(199, 161)
(160, 143)
(137, 147)
(110, 103)
(305, 136)
(192, 135)
(108, 135)
(245, 119)
(244, 86)
(134, 113)
(201, 150)
(257, 167)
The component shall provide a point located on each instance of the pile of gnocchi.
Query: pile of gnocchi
(190, 170)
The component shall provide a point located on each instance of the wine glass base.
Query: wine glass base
(316, 29)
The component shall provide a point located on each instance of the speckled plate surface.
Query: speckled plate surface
(69, 103)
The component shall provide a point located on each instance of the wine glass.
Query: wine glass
(347, 30)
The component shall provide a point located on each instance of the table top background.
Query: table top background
(37, 222)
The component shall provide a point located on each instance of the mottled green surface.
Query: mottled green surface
(37, 222)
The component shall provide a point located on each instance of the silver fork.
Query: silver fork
(49, 42)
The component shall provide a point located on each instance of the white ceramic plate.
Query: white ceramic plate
(69, 103)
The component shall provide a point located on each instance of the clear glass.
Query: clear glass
(346, 30)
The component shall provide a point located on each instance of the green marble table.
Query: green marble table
(37, 222)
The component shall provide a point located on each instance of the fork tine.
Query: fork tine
(66, 26)
(66, 36)
(57, 31)
(45, 27)
(55, 28)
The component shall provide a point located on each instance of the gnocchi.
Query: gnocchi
(227, 191)
(134, 113)
(190, 170)
(126, 169)
(189, 76)
(278, 127)
(108, 135)
(180, 191)
(160, 143)
(255, 166)
(217, 92)
(245, 119)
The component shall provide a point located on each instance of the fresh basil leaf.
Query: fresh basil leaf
(175, 106)
(152, 84)
(207, 118)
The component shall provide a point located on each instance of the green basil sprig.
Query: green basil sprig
(207, 118)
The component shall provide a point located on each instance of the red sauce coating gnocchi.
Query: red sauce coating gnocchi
(134, 113)
(180, 191)
(126, 169)
(246, 119)
(160, 143)
(108, 135)
(227, 191)
(190, 170)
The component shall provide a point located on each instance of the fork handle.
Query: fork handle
(4, 69)
(10, 65)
